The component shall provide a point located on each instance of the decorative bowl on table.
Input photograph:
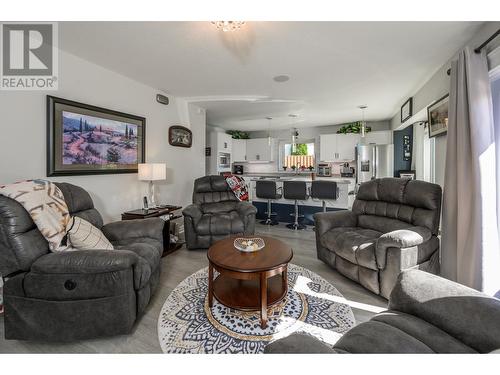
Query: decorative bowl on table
(249, 245)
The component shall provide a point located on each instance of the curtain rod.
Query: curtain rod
(484, 44)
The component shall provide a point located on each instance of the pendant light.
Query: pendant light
(295, 134)
(269, 131)
(363, 123)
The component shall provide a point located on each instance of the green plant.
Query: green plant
(237, 134)
(300, 149)
(293, 167)
(353, 128)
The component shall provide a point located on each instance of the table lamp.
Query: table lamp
(152, 172)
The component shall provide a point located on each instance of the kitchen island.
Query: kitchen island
(284, 207)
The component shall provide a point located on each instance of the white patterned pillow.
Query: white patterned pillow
(84, 236)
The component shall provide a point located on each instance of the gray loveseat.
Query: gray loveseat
(215, 214)
(79, 294)
(393, 226)
(427, 314)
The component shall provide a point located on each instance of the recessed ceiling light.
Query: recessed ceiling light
(281, 78)
(292, 115)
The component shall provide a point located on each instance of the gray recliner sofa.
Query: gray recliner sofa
(215, 214)
(80, 294)
(393, 226)
(427, 314)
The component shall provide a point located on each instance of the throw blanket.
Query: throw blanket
(238, 186)
(46, 205)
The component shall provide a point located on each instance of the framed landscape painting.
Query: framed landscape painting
(437, 116)
(84, 139)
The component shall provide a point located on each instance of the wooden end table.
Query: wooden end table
(248, 281)
(167, 210)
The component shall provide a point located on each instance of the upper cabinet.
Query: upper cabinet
(382, 137)
(258, 149)
(224, 142)
(338, 147)
(342, 147)
(239, 150)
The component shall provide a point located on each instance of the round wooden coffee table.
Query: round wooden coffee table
(248, 281)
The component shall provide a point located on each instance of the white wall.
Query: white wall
(436, 87)
(23, 136)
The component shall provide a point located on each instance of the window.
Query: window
(300, 156)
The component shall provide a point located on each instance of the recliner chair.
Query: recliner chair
(215, 214)
(78, 294)
(393, 226)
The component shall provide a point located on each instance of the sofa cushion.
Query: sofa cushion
(378, 337)
(357, 245)
(435, 338)
(220, 224)
(148, 251)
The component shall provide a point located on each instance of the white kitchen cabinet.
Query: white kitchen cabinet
(346, 146)
(381, 137)
(258, 149)
(224, 142)
(239, 150)
(337, 147)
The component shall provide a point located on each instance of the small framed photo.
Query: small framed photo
(180, 136)
(437, 116)
(407, 110)
(410, 174)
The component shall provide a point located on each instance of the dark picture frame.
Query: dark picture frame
(437, 116)
(180, 136)
(407, 110)
(83, 139)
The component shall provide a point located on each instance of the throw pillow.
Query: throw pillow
(84, 236)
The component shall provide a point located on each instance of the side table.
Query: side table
(167, 213)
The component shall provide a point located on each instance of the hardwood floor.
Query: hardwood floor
(182, 263)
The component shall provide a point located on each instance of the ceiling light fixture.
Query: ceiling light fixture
(228, 25)
(363, 123)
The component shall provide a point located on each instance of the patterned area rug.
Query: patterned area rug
(312, 305)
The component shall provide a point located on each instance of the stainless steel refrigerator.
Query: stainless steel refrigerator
(374, 161)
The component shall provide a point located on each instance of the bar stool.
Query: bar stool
(267, 190)
(324, 190)
(295, 190)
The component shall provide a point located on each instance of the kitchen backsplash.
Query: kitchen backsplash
(273, 167)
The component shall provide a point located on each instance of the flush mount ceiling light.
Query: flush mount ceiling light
(228, 25)
(281, 78)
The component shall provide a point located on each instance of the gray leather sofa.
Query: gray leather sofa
(79, 294)
(393, 226)
(427, 314)
(215, 214)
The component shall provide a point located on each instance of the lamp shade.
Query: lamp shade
(152, 171)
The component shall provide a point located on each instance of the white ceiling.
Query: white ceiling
(334, 66)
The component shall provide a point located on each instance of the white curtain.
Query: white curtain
(470, 243)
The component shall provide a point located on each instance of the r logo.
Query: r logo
(27, 49)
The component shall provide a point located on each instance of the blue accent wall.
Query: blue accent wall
(399, 163)
(283, 212)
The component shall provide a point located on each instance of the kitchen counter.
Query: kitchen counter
(344, 184)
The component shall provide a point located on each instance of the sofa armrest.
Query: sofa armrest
(324, 221)
(92, 262)
(194, 212)
(462, 312)
(402, 238)
(298, 343)
(84, 261)
(245, 209)
(138, 228)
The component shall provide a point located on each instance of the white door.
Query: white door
(239, 150)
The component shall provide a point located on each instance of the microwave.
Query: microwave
(224, 160)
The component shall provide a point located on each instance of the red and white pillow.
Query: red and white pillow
(238, 186)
